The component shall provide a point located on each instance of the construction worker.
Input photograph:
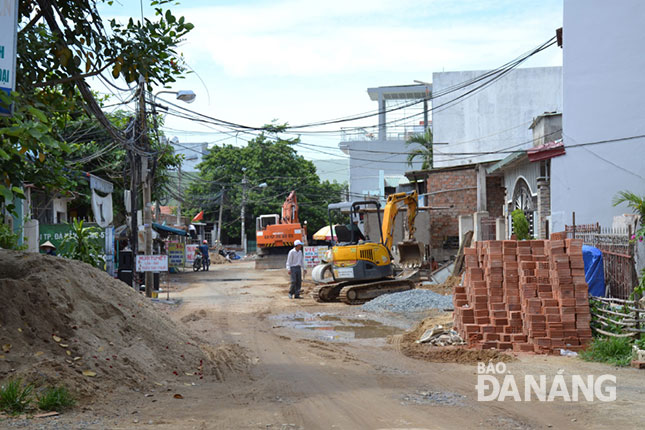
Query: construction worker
(296, 269)
(203, 250)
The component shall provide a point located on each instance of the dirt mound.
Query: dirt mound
(62, 321)
(218, 259)
(448, 287)
(446, 354)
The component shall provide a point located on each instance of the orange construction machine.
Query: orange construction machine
(275, 235)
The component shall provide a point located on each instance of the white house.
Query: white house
(604, 111)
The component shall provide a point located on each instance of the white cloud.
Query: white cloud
(295, 38)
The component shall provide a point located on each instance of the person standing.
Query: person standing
(203, 249)
(296, 269)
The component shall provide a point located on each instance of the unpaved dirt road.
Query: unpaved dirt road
(290, 371)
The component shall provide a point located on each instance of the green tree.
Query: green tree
(424, 140)
(637, 204)
(60, 45)
(520, 225)
(79, 245)
(267, 159)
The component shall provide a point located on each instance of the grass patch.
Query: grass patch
(55, 399)
(15, 397)
(611, 350)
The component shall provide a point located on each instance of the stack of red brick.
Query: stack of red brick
(525, 296)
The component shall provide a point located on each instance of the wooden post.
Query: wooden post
(574, 225)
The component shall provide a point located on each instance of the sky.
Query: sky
(300, 61)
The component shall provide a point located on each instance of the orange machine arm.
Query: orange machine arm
(290, 209)
(394, 203)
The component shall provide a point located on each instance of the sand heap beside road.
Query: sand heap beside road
(63, 321)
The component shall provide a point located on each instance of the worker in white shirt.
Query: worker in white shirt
(296, 269)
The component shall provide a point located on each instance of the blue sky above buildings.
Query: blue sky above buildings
(300, 61)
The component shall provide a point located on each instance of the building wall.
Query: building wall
(603, 100)
(450, 193)
(365, 167)
(495, 196)
(495, 118)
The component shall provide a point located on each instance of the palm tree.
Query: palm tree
(634, 202)
(425, 152)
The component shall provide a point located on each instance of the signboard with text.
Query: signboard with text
(55, 233)
(313, 255)
(8, 38)
(152, 263)
(190, 253)
(175, 254)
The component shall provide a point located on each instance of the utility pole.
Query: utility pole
(178, 201)
(242, 214)
(147, 182)
(221, 209)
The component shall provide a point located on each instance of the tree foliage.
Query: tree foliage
(424, 151)
(520, 225)
(61, 44)
(267, 159)
(80, 246)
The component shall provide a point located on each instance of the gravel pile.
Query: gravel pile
(441, 398)
(409, 301)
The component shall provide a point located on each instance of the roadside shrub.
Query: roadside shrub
(610, 350)
(520, 225)
(15, 397)
(55, 399)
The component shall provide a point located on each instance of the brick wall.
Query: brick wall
(543, 207)
(456, 191)
(495, 196)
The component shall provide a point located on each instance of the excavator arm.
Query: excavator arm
(290, 209)
(394, 203)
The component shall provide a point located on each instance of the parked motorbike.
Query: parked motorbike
(197, 263)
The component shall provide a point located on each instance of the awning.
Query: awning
(171, 230)
(546, 151)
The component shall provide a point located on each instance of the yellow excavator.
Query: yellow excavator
(356, 270)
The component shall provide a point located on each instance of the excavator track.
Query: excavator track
(327, 292)
(358, 294)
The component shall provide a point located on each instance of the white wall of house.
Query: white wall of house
(604, 93)
(496, 117)
(371, 161)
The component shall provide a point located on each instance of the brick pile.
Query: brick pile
(528, 296)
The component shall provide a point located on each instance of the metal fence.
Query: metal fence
(617, 254)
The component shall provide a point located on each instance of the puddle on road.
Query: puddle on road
(229, 279)
(334, 327)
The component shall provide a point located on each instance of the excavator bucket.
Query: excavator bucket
(410, 254)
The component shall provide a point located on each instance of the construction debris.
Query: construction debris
(439, 336)
(524, 295)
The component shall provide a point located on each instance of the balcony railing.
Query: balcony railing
(371, 134)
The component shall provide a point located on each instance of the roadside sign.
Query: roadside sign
(152, 263)
(175, 254)
(55, 233)
(190, 253)
(313, 255)
(8, 44)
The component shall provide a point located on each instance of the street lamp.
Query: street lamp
(186, 96)
(243, 209)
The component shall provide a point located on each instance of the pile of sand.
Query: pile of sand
(217, 258)
(444, 354)
(63, 321)
(448, 286)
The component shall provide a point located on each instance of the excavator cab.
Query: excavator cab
(355, 270)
